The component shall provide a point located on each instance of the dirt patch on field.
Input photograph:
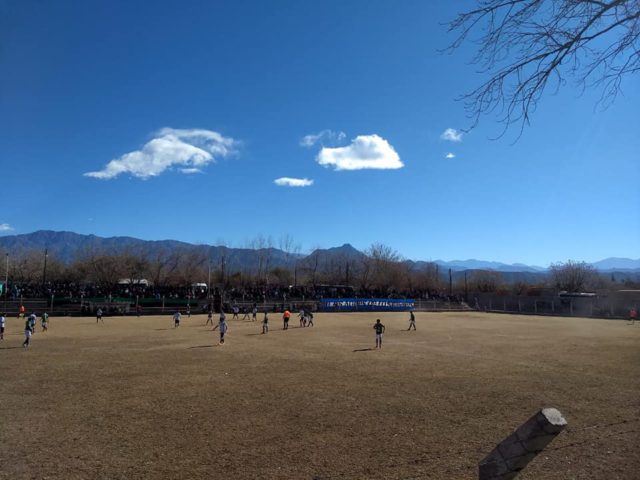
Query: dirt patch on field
(135, 398)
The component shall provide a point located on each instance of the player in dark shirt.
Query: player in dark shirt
(28, 331)
(412, 321)
(379, 328)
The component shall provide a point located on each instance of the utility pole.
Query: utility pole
(6, 282)
(466, 290)
(223, 264)
(450, 284)
(44, 271)
(347, 269)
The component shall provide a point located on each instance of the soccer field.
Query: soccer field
(135, 398)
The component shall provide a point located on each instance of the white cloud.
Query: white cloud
(5, 227)
(293, 182)
(452, 135)
(324, 137)
(190, 170)
(449, 155)
(189, 148)
(365, 152)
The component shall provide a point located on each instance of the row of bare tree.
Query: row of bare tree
(379, 268)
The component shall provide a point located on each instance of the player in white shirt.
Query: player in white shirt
(222, 326)
(32, 322)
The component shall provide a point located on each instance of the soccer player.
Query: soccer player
(188, 311)
(99, 315)
(28, 331)
(379, 328)
(246, 312)
(265, 323)
(21, 311)
(633, 313)
(309, 319)
(236, 310)
(176, 319)
(32, 322)
(222, 326)
(303, 316)
(45, 321)
(285, 319)
(412, 321)
(254, 313)
(209, 318)
(2, 322)
(223, 317)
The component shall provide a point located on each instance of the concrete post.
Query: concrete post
(513, 454)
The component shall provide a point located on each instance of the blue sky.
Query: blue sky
(232, 89)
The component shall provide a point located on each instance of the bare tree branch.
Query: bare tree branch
(529, 46)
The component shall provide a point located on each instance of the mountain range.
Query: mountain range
(67, 245)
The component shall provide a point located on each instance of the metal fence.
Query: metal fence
(597, 307)
(607, 306)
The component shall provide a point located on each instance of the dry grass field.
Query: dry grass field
(135, 398)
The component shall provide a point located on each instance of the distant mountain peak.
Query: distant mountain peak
(617, 263)
(344, 246)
